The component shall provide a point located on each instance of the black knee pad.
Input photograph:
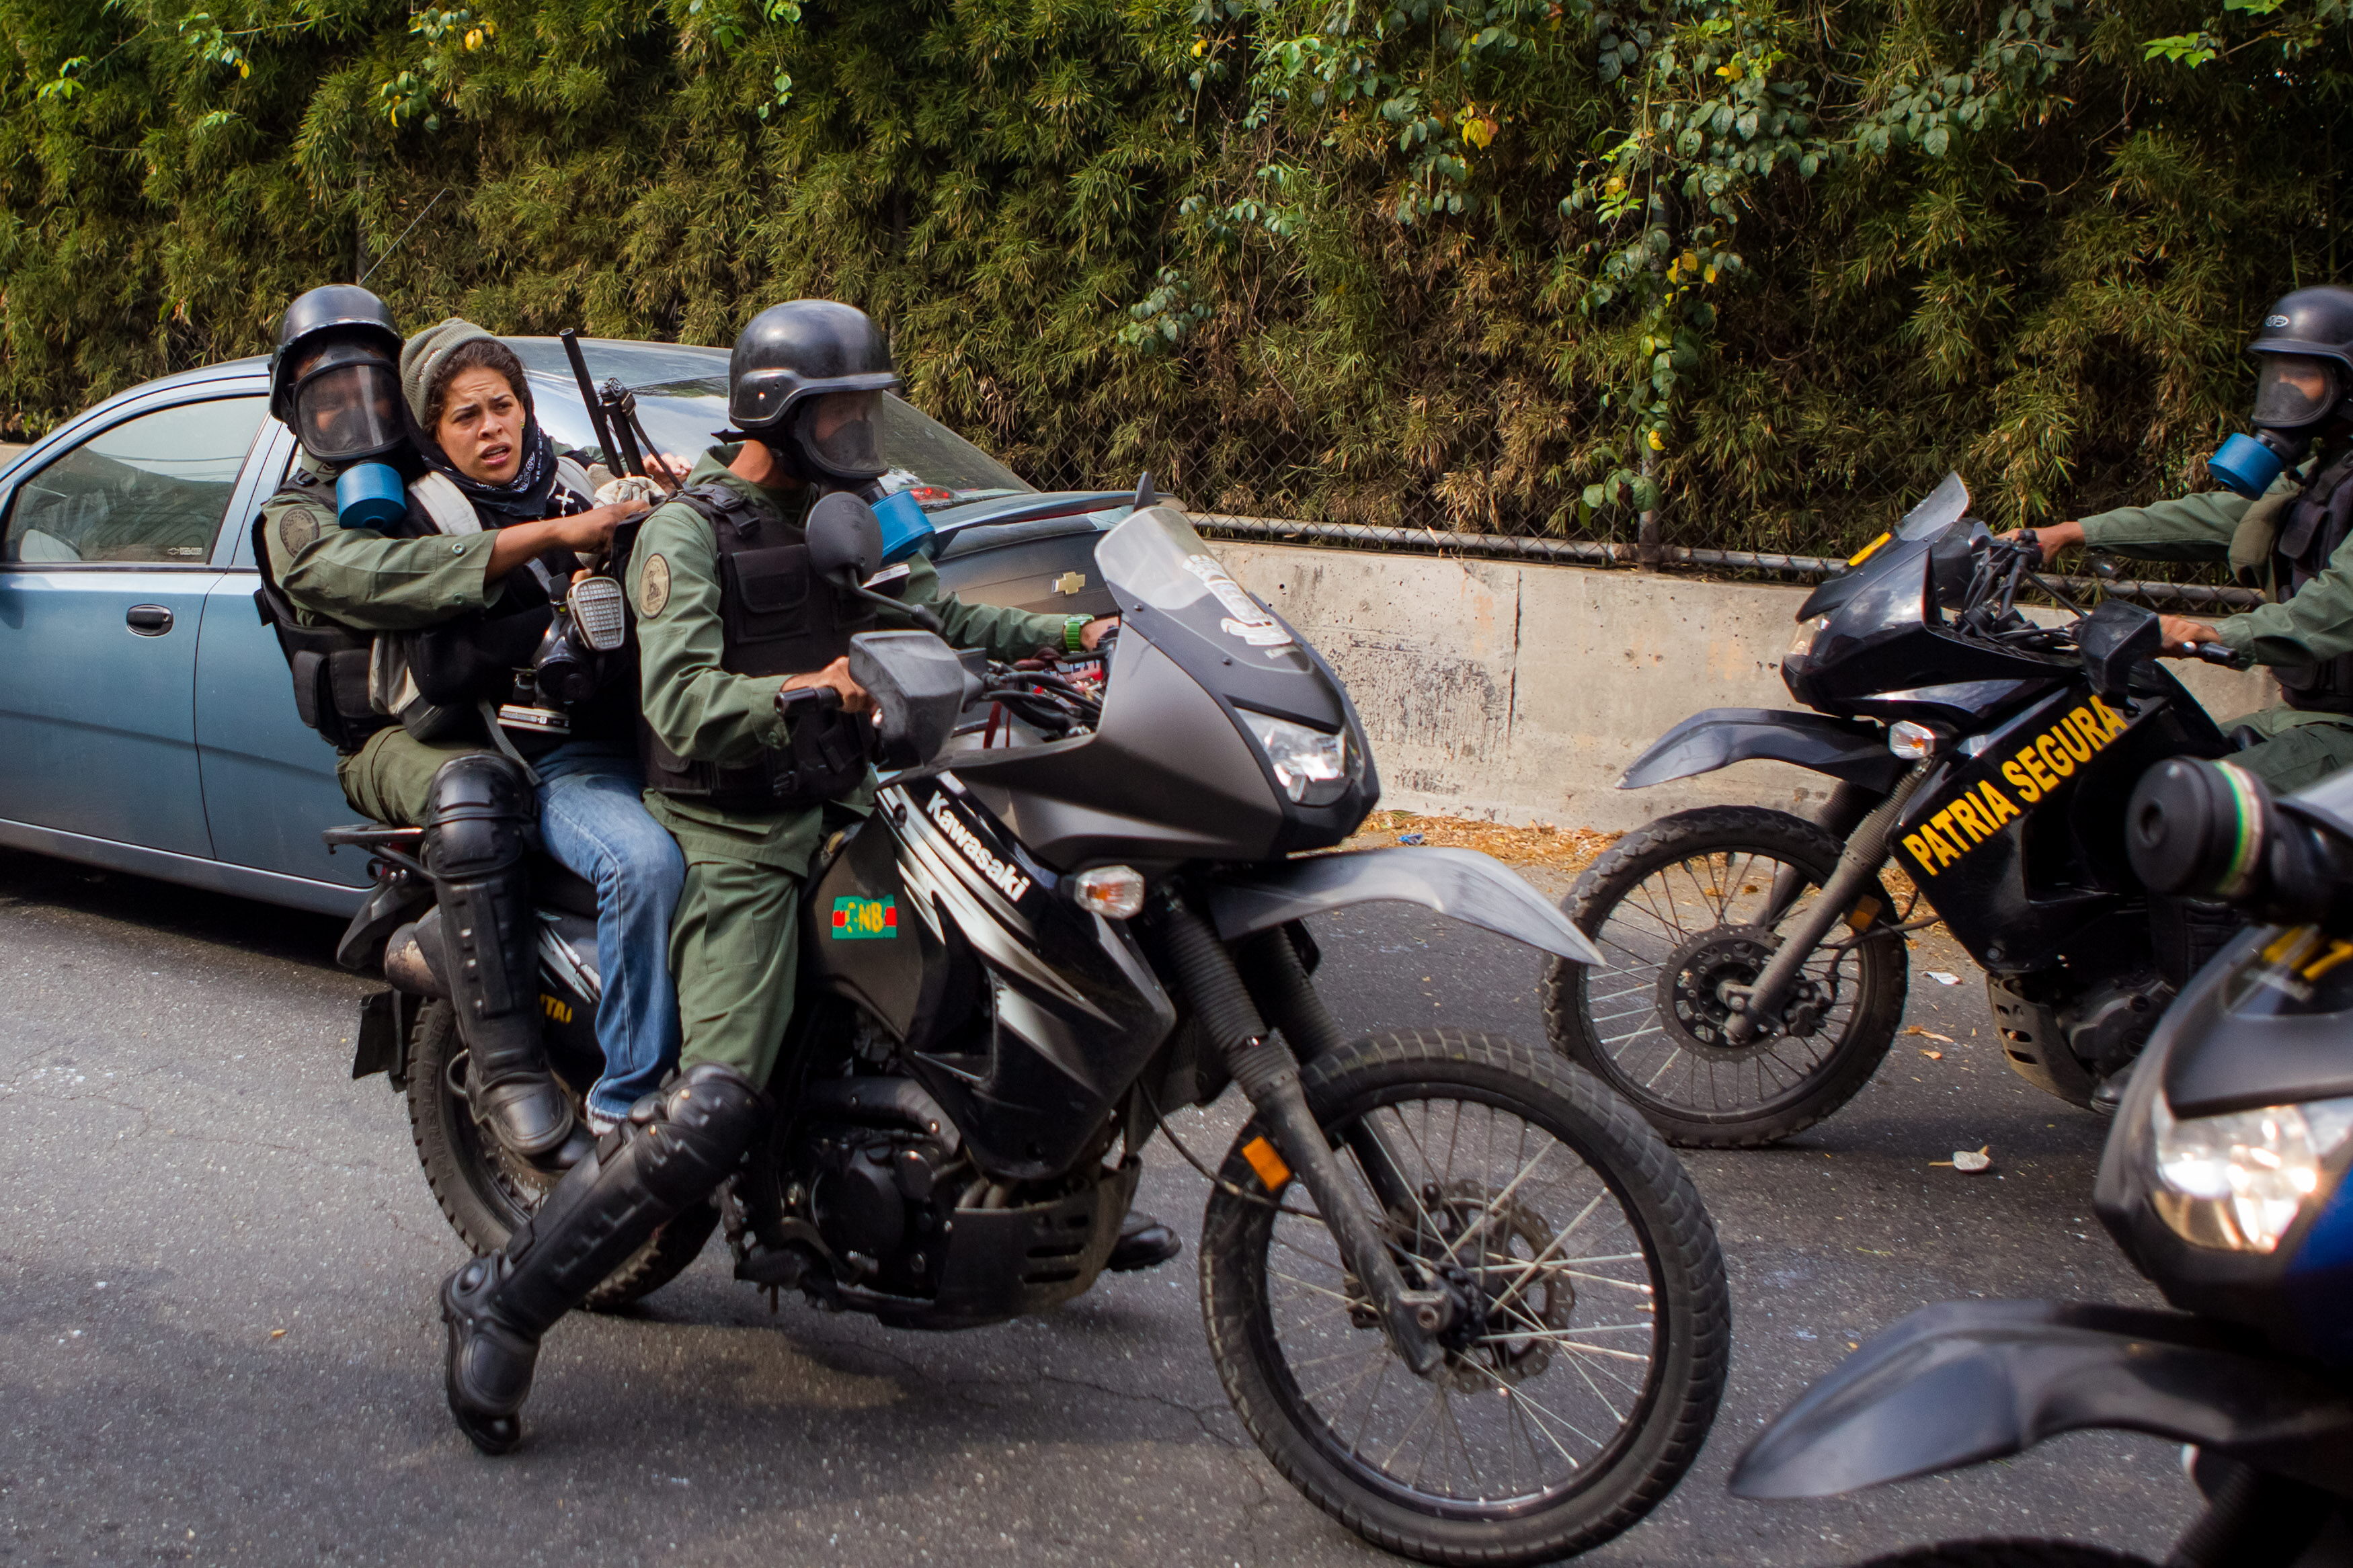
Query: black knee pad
(478, 816)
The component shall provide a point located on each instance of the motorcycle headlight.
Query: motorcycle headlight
(1802, 645)
(2237, 1182)
(1314, 768)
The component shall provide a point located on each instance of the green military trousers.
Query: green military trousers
(390, 779)
(734, 946)
(2299, 748)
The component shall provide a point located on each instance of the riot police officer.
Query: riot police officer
(376, 606)
(726, 630)
(2283, 522)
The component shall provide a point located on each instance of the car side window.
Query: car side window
(149, 491)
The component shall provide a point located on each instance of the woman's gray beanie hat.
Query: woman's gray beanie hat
(422, 357)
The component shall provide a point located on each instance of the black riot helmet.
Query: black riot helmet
(334, 376)
(807, 380)
(2306, 349)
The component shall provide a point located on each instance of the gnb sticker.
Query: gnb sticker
(865, 919)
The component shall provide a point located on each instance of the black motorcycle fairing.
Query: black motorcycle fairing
(2018, 836)
(1908, 540)
(2223, 1047)
(1060, 1041)
(1846, 749)
(1964, 1382)
(1461, 884)
(1167, 776)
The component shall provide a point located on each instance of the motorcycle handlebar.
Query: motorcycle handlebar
(2229, 657)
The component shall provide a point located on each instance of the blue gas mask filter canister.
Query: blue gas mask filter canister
(2248, 465)
(905, 528)
(370, 495)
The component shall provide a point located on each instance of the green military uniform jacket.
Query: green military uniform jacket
(368, 581)
(706, 714)
(2316, 624)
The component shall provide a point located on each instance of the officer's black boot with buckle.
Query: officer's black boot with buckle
(476, 838)
(1144, 1243)
(670, 1152)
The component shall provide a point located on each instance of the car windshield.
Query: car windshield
(683, 403)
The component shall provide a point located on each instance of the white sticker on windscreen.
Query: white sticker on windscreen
(1245, 617)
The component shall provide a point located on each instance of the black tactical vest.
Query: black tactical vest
(776, 617)
(2316, 524)
(329, 663)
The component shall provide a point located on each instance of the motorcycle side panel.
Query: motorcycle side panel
(1843, 748)
(2019, 842)
(1073, 1009)
(862, 936)
(1461, 884)
(1964, 1382)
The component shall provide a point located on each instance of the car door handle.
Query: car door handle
(148, 620)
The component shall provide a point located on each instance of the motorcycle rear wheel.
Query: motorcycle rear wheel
(2009, 1554)
(485, 1193)
(1682, 906)
(1586, 1382)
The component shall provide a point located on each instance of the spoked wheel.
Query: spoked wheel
(485, 1192)
(1591, 1331)
(1684, 910)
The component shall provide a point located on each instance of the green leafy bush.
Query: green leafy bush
(1511, 265)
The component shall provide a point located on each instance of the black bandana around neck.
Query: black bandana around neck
(523, 499)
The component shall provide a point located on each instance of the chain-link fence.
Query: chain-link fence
(1269, 488)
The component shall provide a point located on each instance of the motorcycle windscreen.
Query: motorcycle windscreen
(1185, 601)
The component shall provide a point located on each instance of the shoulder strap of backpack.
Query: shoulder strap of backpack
(722, 506)
(446, 504)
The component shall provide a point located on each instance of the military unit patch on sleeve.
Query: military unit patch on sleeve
(297, 526)
(653, 587)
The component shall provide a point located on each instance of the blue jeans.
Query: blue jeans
(593, 819)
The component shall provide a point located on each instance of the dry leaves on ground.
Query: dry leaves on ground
(1545, 844)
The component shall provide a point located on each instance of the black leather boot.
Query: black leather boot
(475, 841)
(670, 1154)
(1144, 1243)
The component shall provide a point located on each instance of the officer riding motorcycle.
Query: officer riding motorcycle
(2282, 521)
(407, 585)
(756, 752)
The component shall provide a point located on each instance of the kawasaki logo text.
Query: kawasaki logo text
(1004, 878)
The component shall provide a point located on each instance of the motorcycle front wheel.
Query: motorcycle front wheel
(1592, 1325)
(485, 1193)
(1683, 910)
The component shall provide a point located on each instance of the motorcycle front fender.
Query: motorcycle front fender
(1461, 884)
(1845, 748)
(1964, 1382)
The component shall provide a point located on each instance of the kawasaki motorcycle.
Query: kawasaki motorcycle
(1462, 1298)
(1757, 959)
(2224, 1181)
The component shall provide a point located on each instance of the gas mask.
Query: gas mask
(835, 436)
(346, 408)
(2296, 396)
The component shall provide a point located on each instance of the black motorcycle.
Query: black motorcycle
(1757, 961)
(2224, 1182)
(1461, 1295)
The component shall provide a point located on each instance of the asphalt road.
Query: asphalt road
(218, 1339)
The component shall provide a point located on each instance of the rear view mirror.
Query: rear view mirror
(844, 539)
(2112, 639)
(919, 686)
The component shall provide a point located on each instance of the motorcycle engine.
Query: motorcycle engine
(877, 1198)
(2107, 1026)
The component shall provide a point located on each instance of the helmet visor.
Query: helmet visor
(347, 406)
(2293, 391)
(839, 433)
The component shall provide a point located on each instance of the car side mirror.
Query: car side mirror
(2115, 638)
(844, 539)
(920, 687)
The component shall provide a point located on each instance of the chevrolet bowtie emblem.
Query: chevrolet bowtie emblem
(1071, 583)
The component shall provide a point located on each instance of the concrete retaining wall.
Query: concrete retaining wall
(1521, 692)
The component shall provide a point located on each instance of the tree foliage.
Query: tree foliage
(1521, 265)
